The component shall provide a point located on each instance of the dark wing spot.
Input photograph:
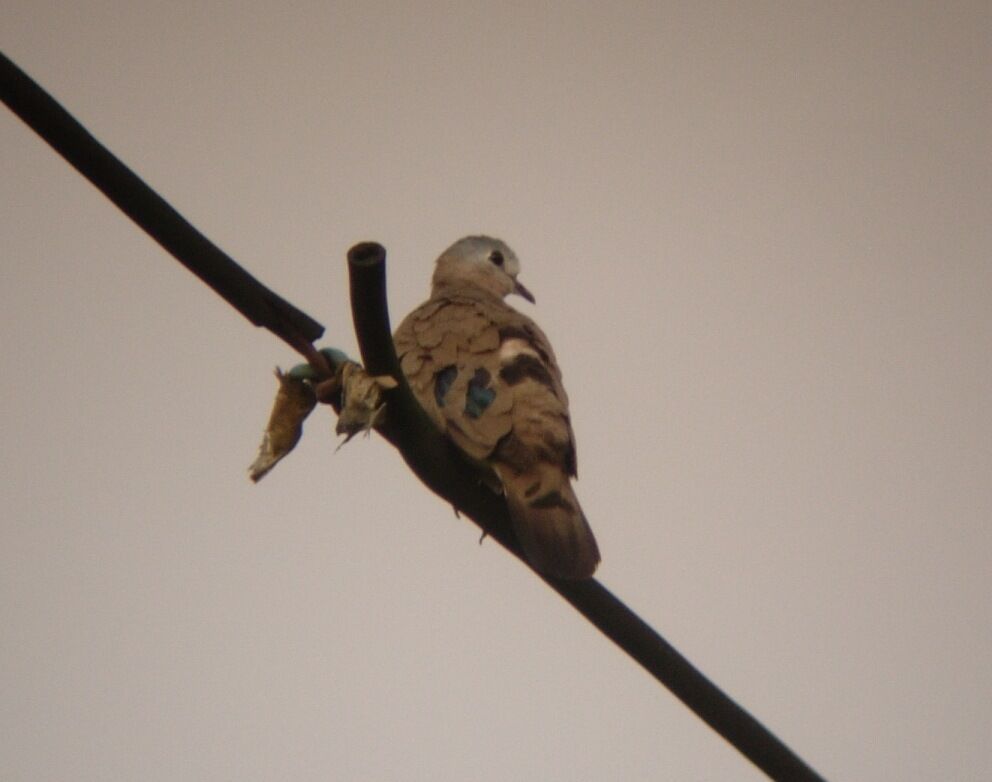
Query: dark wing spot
(552, 499)
(525, 334)
(571, 463)
(514, 332)
(442, 382)
(478, 395)
(525, 367)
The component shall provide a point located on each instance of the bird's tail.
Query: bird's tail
(549, 522)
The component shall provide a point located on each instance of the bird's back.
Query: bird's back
(487, 376)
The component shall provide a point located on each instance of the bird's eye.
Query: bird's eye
(496, 257)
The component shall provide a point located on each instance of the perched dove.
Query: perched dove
(487, 376)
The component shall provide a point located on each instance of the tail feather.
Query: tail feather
(549, 522)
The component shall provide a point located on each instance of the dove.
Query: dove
(487, 377)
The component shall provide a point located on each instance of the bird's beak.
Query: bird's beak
(520, 290)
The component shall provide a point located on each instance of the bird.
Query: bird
(487, 377)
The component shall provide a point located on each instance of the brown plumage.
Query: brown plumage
(487, 376)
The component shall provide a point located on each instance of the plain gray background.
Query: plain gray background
(759, 237)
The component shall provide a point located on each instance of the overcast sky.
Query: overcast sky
(760, 238)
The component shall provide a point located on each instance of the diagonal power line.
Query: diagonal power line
(150, 211)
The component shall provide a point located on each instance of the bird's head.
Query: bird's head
(480, 262)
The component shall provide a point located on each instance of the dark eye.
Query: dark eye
(496, 257)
